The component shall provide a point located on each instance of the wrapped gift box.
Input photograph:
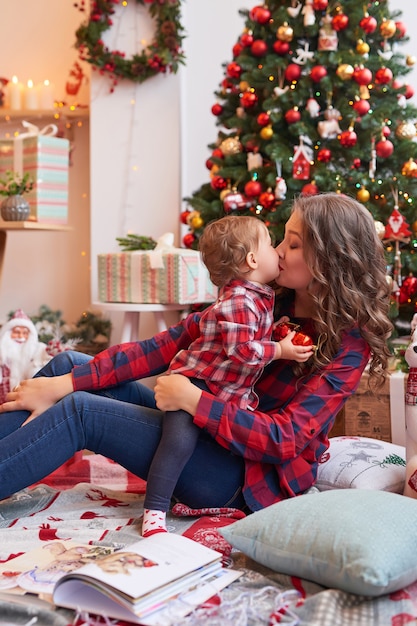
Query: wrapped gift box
(156, 277)
(380, 415)
(46, 158)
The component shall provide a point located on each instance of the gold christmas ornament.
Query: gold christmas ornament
(213, 170)
(196, 222)
(363, 195)
(192, 215)
(230, 146)
(406, 130)
(362, 47)
(266, 132)
(414, 227)
(345, 71)
(244, 85)
(224, 193)
(409, 168)
(285, 32)
(380, 229)
(410, 60)
(388, 28)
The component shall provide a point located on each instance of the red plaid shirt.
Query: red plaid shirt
(234, 343)
(283, 439)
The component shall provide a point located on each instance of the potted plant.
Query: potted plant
(14, 207)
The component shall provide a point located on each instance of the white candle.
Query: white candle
(14, 94)
(31, 97)
(46, 95)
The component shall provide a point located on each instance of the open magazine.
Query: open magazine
(154, 581)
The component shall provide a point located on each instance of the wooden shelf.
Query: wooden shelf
(7, 115)
(31, 225)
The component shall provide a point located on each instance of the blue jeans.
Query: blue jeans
(121, 423)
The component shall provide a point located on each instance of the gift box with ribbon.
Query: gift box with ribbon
(46, 158)
(165, 275)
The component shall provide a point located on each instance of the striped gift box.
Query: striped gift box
(46, 158)
(131, 277)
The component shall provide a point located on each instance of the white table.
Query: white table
(132, 311)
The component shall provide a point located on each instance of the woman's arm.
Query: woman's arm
(131, 361)
(282, 433)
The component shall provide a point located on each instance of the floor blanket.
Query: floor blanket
(103, 513)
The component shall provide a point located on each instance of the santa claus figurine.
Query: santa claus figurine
(21, 354)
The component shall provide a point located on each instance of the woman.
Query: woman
(331, 282)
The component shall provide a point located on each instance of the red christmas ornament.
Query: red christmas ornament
(218, 183)
(233, 70)
(361, 107)
(362, 75)
(209, 164)
(368, 24)
(292, 116)
(253, 188)
(237, 49)
(386, 131)
(409, 92)
(317, 73)
(383, 76)
(248, 99)
(217, 109)
(292, 72)
(310, 189)
(184, 216)
(260, 14)
(320, 5)
(188, 240)
(356, 163)
(299, 339)
(401, 29)
(217, 153)
(340, 21)
(263, 119)
(324, 155)
(267, 199)
(384, 148)
(259, 48)
(348, 138)
(236, 201)
(397, 228)
(281, 47)
(246, 40)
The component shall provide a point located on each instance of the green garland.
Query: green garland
(162, 55)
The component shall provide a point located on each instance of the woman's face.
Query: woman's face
(294, 271)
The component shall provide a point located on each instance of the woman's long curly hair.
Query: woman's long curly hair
(349, 285)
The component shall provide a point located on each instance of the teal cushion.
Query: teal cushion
(357, 540)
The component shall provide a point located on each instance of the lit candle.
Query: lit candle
(14, 94)
(31, 97)
(46, 95)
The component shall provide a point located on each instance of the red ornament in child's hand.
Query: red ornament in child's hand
(299, 339)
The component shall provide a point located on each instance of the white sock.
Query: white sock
(153, 522)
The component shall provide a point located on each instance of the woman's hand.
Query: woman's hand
(37, 394)
(175, 392)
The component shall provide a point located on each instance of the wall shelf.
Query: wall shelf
(8, 115)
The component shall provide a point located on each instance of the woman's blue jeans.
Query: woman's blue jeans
(121, 423)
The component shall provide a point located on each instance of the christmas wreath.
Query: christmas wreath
(162, 55)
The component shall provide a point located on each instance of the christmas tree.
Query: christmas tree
(315, 99)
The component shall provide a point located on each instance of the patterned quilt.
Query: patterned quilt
(92, 500)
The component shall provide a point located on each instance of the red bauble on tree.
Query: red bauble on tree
(320, 5)
(233, 70)
(324, 155)
(218, 183)
(260, 14)
(362, 75)
(348, 138)
(384, 148)
(281, 47)
(248, 99)
(237, 49)
(263, 119)
(293, 116)
(253, 188)
(292, 72)
(184, 216)
(246, 39)
(383, 76)
(217, 109)
(259, 48)
(368, 24)
(317, 73)
(361, 107)
(267, 199)
(340, 21)
(401, 29)
(188, 240)
(310, 189)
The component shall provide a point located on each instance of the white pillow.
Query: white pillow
(357, 540)
(362, 463)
